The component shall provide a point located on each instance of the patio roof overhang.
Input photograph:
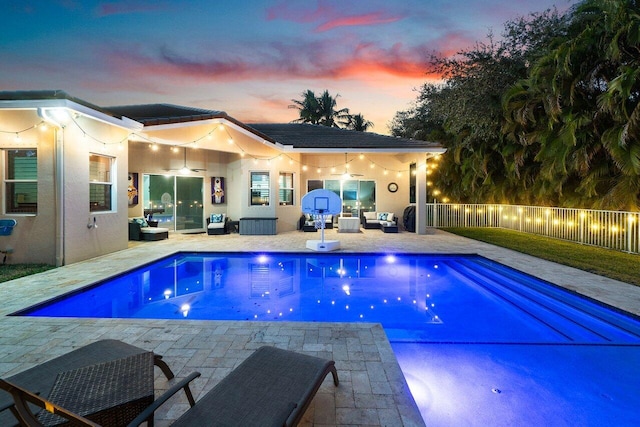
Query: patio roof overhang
(167, 123)
(47, 102)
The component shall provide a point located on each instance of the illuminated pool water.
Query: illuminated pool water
(476, 340)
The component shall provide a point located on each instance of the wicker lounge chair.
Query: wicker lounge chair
(37, 385)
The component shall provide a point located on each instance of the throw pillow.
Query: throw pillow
(141, 221)
(382, 216)
(390, 217)
(216, 217)
(369, 216)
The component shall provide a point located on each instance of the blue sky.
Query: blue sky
(246, 57)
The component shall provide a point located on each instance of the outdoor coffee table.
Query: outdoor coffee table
(112, 393)
(389, 227)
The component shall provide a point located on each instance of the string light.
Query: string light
(155, 146)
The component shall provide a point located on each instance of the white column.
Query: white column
(421, 198)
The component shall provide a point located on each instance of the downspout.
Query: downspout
(58, 187)
(59, 194)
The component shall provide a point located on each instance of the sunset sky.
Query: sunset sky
(246, 57)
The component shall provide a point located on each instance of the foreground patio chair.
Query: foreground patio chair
(272, 387)
(109, 379)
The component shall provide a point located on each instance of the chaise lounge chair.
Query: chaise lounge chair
(272, 387)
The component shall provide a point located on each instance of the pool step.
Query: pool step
(578, 319)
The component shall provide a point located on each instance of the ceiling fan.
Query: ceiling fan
(346, 174)
(185, 168)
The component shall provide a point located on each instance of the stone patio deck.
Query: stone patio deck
(372, 391)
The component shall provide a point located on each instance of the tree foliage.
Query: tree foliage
(323, 110)
(547, 115)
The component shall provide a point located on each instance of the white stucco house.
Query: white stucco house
(74, 173)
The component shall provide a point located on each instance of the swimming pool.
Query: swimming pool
(459, 325)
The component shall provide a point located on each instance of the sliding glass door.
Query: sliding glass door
(176, 202)
(356, 195)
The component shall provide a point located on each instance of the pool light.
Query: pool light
(185, 309)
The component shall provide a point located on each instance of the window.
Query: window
(100, 184)
(21, 181)
(286, 188)
(314, 184)
(356, 195)
(259, 188)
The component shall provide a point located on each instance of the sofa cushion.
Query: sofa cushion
(390, 217)
(369, 215)
(153, 230)
(214, 225)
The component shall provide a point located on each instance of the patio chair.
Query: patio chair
(36, 385)
(272, 387)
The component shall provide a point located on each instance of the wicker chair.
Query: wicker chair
(37, 385)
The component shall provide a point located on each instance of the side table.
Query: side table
(111, 393)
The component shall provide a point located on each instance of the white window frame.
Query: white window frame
(262, 189)
(102, 179)
(282, 188)
(6, 181)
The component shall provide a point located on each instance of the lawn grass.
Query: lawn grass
(13, 271)
(604, 262)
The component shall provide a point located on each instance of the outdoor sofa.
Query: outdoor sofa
(308, 222)
(140, 229)
(375, 220)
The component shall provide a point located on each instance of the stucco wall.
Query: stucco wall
(111, 233)
(33, 238)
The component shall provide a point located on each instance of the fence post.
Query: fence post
(435, 214)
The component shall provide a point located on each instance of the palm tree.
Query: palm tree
(358, 123)
(329, 115)
(308, 107)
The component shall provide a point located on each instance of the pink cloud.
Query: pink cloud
(284, 61)
(373, 18)
(328, 16)
(278, 61)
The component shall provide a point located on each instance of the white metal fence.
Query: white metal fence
(607, 229)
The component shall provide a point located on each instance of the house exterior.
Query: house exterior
(74, 173)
